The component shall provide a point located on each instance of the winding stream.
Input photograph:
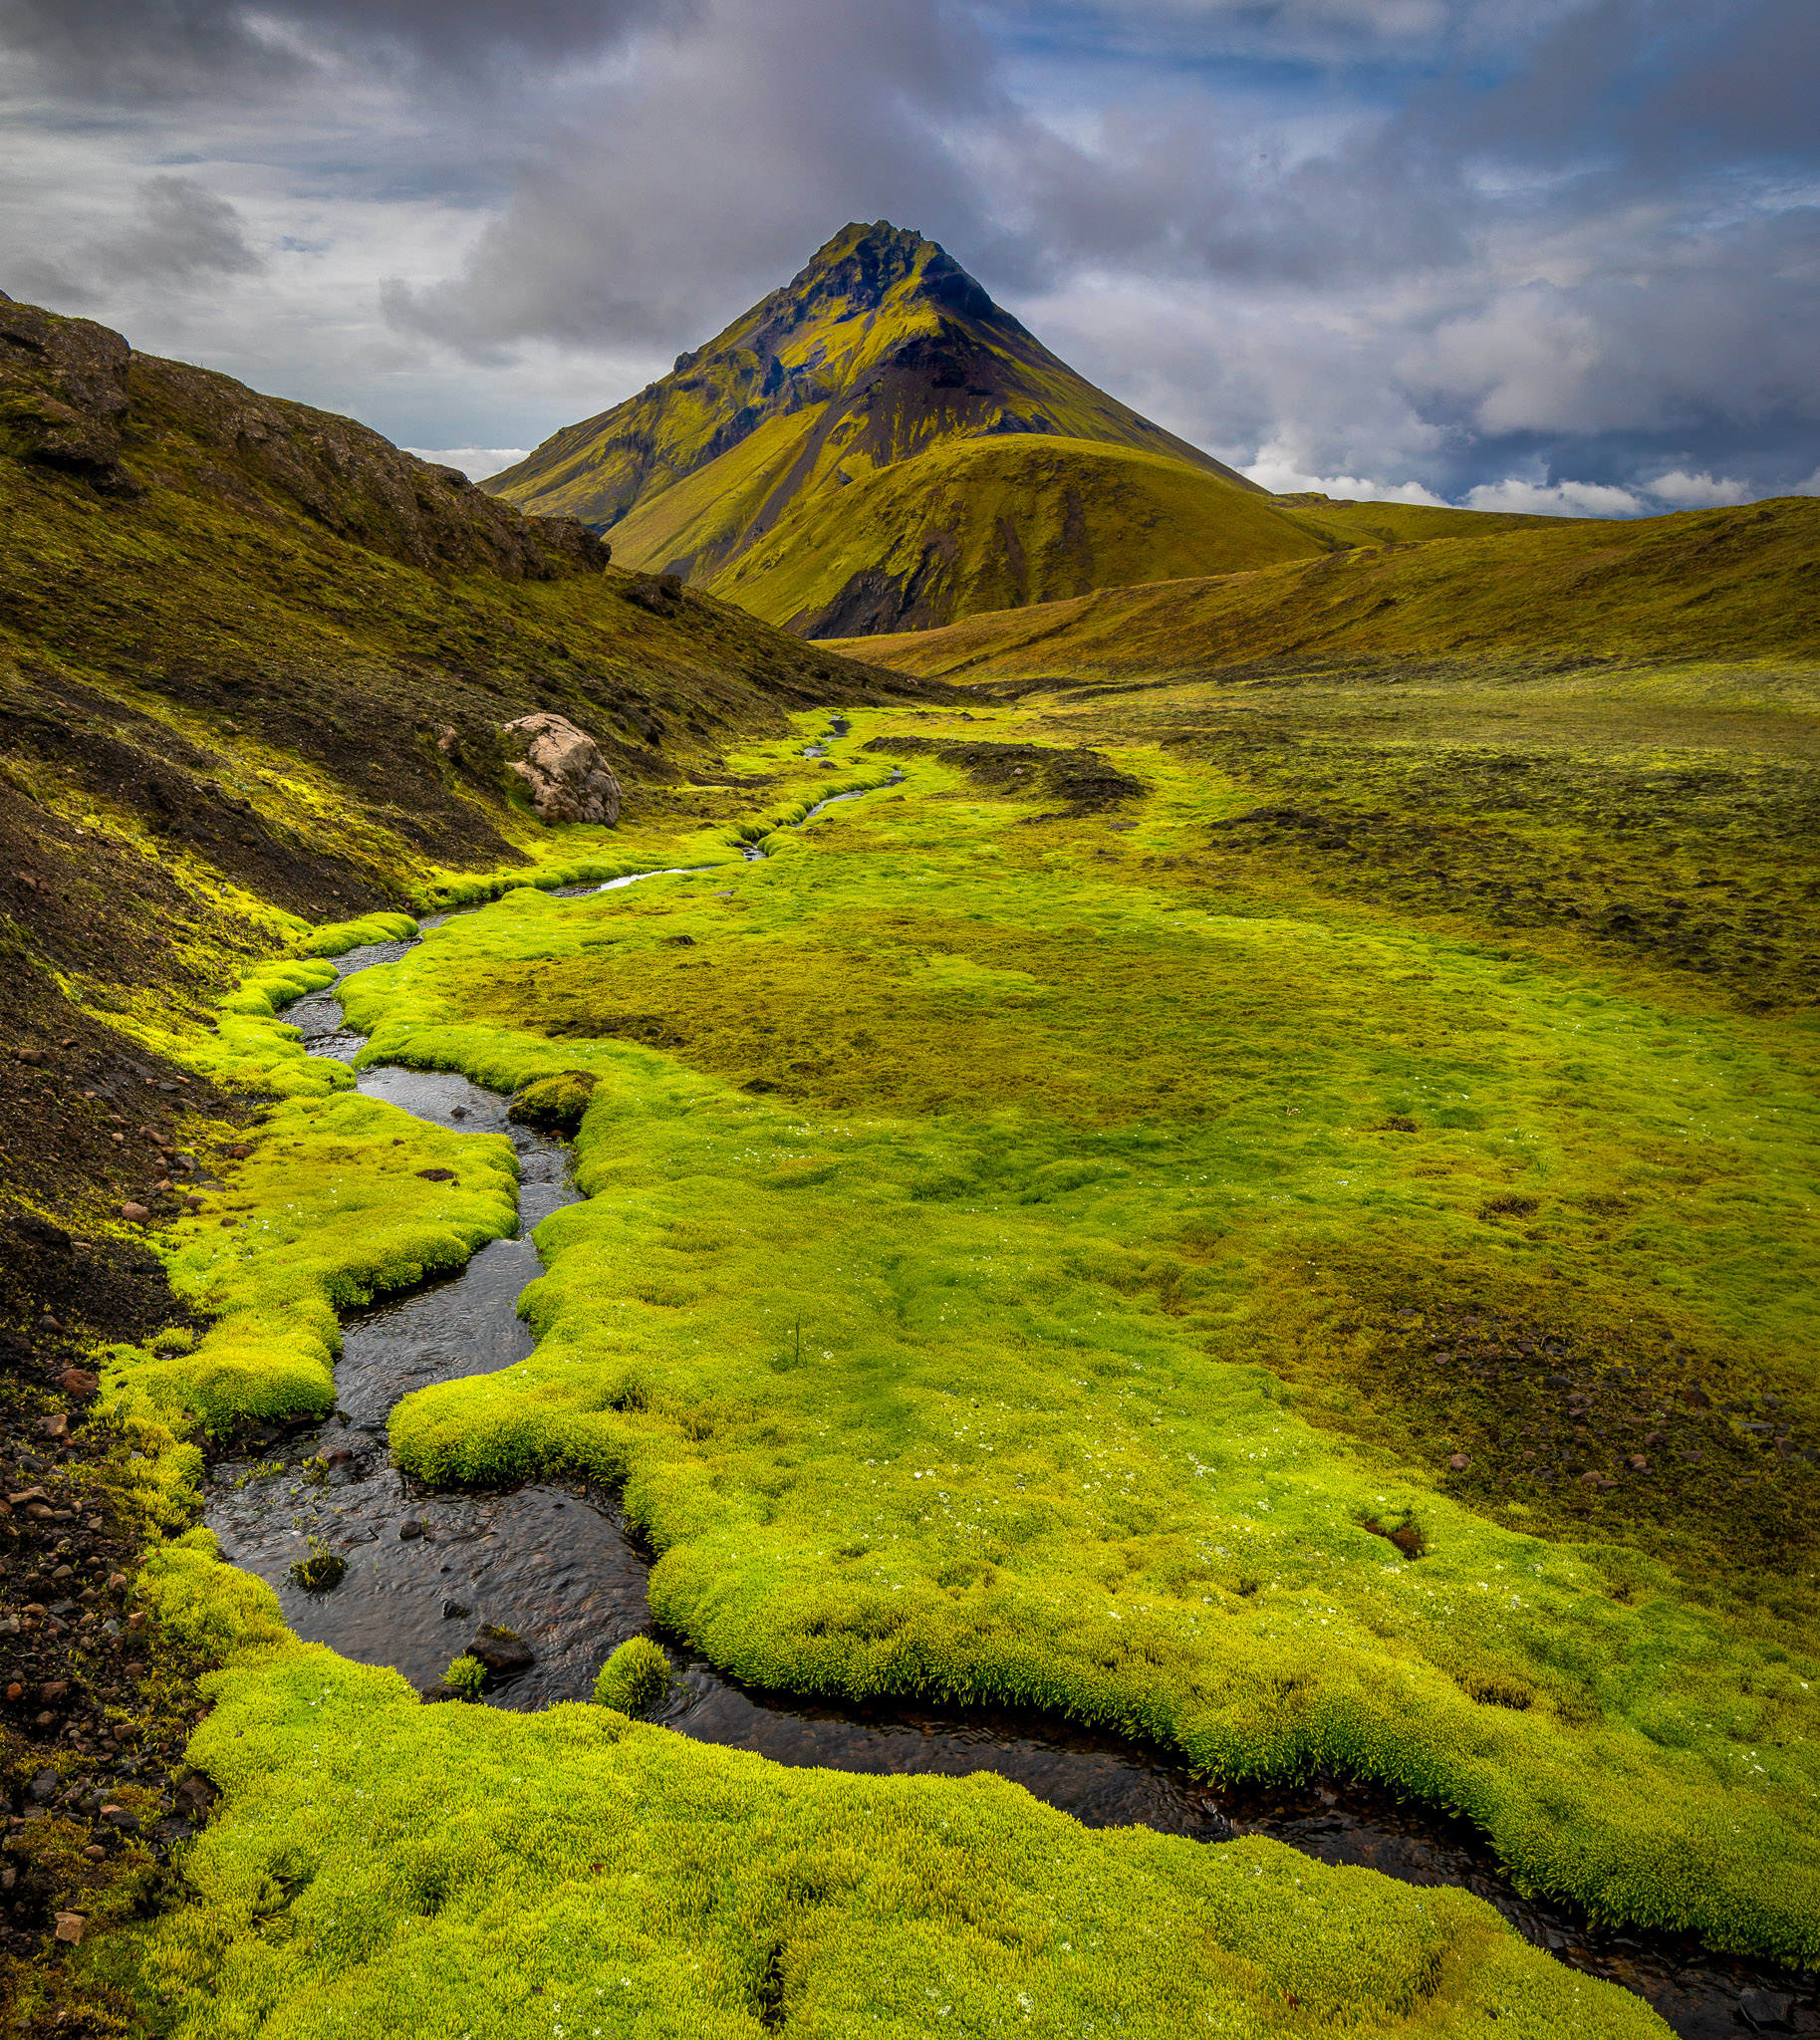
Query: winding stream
(558, 1565)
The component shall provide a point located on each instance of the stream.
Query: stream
(557, 1564)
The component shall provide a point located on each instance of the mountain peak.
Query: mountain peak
(865, 264)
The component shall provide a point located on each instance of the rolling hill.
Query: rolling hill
(879, 447)
(1697, 585)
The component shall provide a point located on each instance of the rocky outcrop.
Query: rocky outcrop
(564, 773)
(63, 394)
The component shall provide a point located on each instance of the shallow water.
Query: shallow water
(558, 1566)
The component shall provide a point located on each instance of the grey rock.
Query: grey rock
(500, 1650)
(1767, 2010)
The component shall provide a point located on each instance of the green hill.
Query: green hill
(976, 525)
(1701, 584)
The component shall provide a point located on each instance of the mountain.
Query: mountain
(879, 444)
(1699, 586)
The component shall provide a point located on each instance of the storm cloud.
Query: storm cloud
(1530, 253)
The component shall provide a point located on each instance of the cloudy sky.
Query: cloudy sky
(1516, 253)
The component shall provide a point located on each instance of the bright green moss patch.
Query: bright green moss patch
(466, 1675)
(955, 1214)
(636, 1677)
(382, 1868)
(338, 937)
(554, 1105)
(344, 1199)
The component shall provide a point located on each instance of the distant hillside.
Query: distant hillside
(1702, 584)
(992, 524)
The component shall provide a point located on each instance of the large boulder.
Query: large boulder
(563, 770)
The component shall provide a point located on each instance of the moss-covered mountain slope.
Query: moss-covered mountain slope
(981, 524)
(1701, 584)
(253, 665)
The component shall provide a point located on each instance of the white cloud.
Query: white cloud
(476, 463)
(1556, 499)
(1686, 491)
(1283, 477)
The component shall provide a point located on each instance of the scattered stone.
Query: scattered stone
(135, 1214)
(410, 1530)
(453, 1611)
(70, 1927)
(1458, 1462)
(438, 1175)
(78, 1381)
(56, 1425)
(195, 1795)
(564, 773)
(500, 1650)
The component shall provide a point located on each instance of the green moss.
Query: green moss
(554, 1105)
(321, 1572)
(942, 1351)
(382, 1868)
(1035, 1444)
(344, 1199)
(466, 1675)
(636, 1677)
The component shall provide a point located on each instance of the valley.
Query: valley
(1208, 1184)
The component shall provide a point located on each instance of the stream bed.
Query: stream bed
(557, 1564)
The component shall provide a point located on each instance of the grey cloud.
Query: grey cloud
(181, 49)
(183, 234)
(707, 175)
(1523, 241)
